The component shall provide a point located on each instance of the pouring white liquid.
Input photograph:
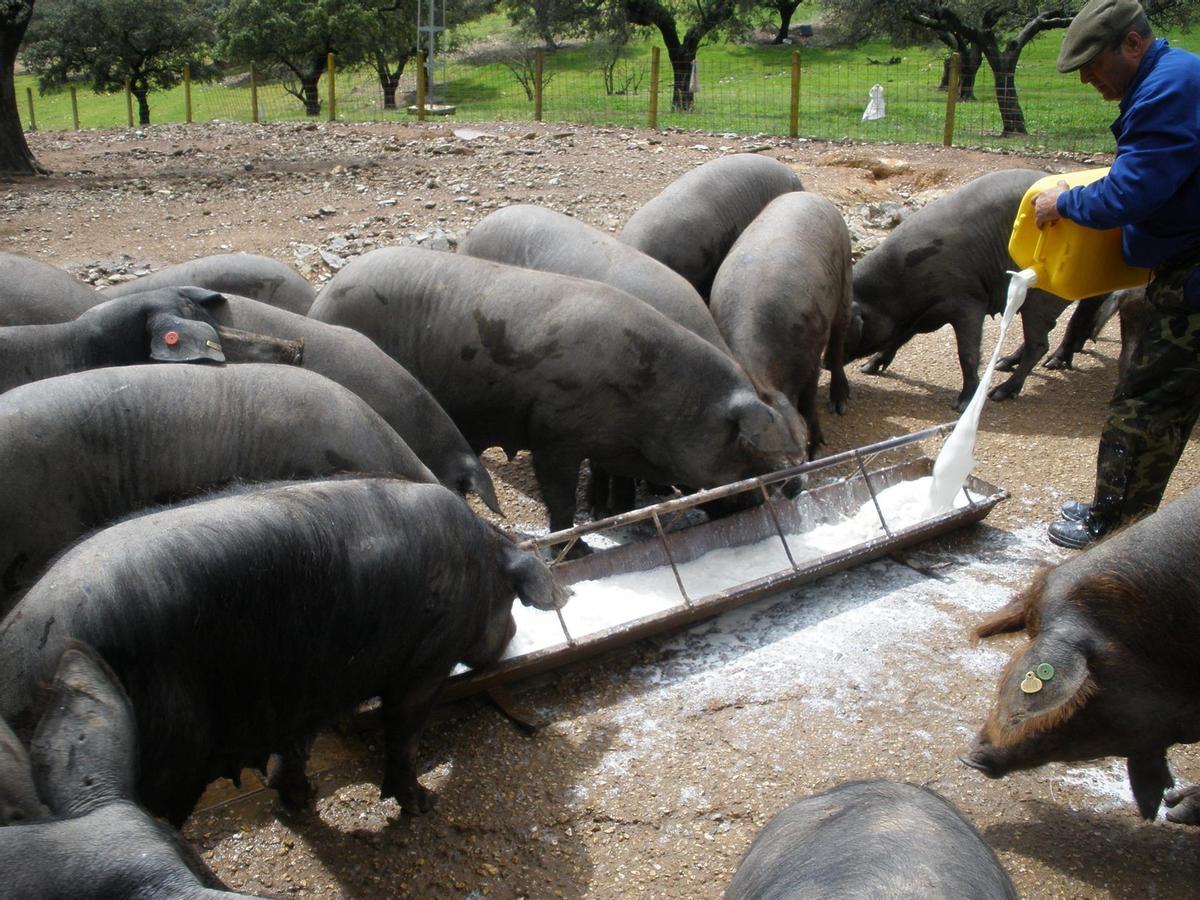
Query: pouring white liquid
(955, 462)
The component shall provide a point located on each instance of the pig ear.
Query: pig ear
(1057, 683)
(85, 748)
(18, 797)
(202, 296)
(534, 583)
(757, 424)
(176, 339)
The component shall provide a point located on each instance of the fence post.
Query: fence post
(253, 93)
(32, 117)
(128, 103)
(794, 118)
(74, 108)
(653, 87)
(539, 63)
(332, 89)
(421, 86)
(952, 97)
(187, 93)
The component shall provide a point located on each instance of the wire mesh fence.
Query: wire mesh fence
(779, 93)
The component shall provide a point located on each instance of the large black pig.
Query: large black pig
(567, 368)
(242, 624)
(870, 839)
(93, 840)
(245, 274)
(948, 264)
(165, 325)
(1111, 666)
(81, 450)
(693, 222)
(782, 300)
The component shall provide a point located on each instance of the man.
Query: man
(1152, 192)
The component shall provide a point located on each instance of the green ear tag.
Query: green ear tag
(1032, 684)
(1045, 671)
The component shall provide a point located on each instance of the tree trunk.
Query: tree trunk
(1004, 69)
(389, 81)
(142, 94)
(682, 97)
(972, 59)
(312, 96)
(1012, 116)
(786, 10)
(15, 156)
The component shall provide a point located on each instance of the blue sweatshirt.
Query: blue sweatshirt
(1152, 191)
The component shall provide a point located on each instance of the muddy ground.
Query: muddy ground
(658, 763)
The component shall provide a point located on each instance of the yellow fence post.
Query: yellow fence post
(794, 118)
(539, 62)
(952, 97)
(332, 89)
(74, 108)
(32, 117)
(128, 103)
(653, 87)
(421, 86)
(253, 94)
(187, 93)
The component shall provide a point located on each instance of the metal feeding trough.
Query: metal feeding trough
(664, 540)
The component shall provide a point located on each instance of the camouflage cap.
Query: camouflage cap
(1099, 25)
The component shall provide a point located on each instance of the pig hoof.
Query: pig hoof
(1183, 805)
(1003, 392)
(413, 799)
(1057, 362)
(874, 367)
(838, 406)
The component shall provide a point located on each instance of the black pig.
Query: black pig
(93, 841)
(240, 625)
(1111, 666)
(870, 839)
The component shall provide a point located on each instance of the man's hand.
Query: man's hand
(1045, 204)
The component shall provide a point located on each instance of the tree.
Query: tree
(146, 42)
(547, 19)
(297, 36)
(995, 31)
(394, 41)
(15, 155)
(704, 17)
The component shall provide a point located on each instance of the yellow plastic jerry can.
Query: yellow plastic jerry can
(1071, 261)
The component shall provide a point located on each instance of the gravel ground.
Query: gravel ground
(659, 762)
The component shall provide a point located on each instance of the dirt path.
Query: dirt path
(660, 761)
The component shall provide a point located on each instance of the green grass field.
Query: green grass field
(742, 88)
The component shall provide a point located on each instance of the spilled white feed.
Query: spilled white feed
(599, 605)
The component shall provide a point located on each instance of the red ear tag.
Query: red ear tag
(171, 338)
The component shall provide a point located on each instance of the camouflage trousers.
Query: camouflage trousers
(1155, 403)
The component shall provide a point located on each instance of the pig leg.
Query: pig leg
(405, 712)
(1183, 805)
(1037, 318)
(835, 361)
(968, 334)
(1149, 778)
(1080, 327)
(557, 478)
(285, 773)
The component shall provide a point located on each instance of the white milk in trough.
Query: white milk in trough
(656, 572)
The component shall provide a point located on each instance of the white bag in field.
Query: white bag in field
(876, 105)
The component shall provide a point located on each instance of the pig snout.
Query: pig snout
(981, 758)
